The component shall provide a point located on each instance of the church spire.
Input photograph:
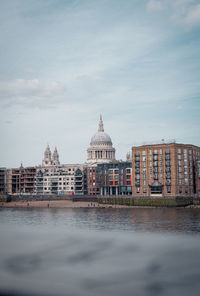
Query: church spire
(100, 129)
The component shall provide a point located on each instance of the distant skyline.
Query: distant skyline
(63, 63)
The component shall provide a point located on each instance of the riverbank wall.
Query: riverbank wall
(114, 200)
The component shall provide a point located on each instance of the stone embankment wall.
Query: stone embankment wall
(114, 200)
(152, 202)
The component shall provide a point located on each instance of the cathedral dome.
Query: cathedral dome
(100, 150)
(101, 138)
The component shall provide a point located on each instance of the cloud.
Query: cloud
(30, 92)
(193, 15)
(155, 5)
(182, 12)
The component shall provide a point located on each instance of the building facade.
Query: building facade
(3, 188)
(108, 179)
(165, 170)
(63, 179)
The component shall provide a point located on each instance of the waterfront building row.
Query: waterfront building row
(165, 169)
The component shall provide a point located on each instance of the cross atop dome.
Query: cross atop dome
(100, 129)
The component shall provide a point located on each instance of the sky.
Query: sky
(65, 62)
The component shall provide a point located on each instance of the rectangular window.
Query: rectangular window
(160, 151)
(138, 189)
(168, 189)
(144, 182)
(143, 152)
(150, 152)
(179, 150)
(144, 190)
(144, 158)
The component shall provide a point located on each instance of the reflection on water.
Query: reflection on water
(139, 219)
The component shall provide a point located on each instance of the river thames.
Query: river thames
(171, 220)
(97, 251)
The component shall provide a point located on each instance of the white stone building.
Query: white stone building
(101, 149)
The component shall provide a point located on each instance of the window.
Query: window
(150, 152)
(116, 177)
(144, 164)
(168, 189)
(180, 169)
(144, 170)
(179, 162)
(161, 163)
(150, 164)
(150, 158)
(128, 183)
(155, 176)
(161, 157)
(179, 181)
(179, 156)
(144, 182)
(128, 171)
(144, 158)
(160, 151)
(144, 190)
(143, 152)
(179, 150)
(138, 189)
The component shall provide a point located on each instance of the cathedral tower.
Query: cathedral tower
(55, 159)
(47, 157)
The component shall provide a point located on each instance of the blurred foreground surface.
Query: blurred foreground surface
(53, 262)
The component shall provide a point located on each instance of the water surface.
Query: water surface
(172, 220)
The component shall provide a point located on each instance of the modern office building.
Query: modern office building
(165, 170)
(109, 179)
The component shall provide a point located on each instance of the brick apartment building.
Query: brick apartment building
(166, 170)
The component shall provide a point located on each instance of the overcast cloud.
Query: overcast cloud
(64, 62)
